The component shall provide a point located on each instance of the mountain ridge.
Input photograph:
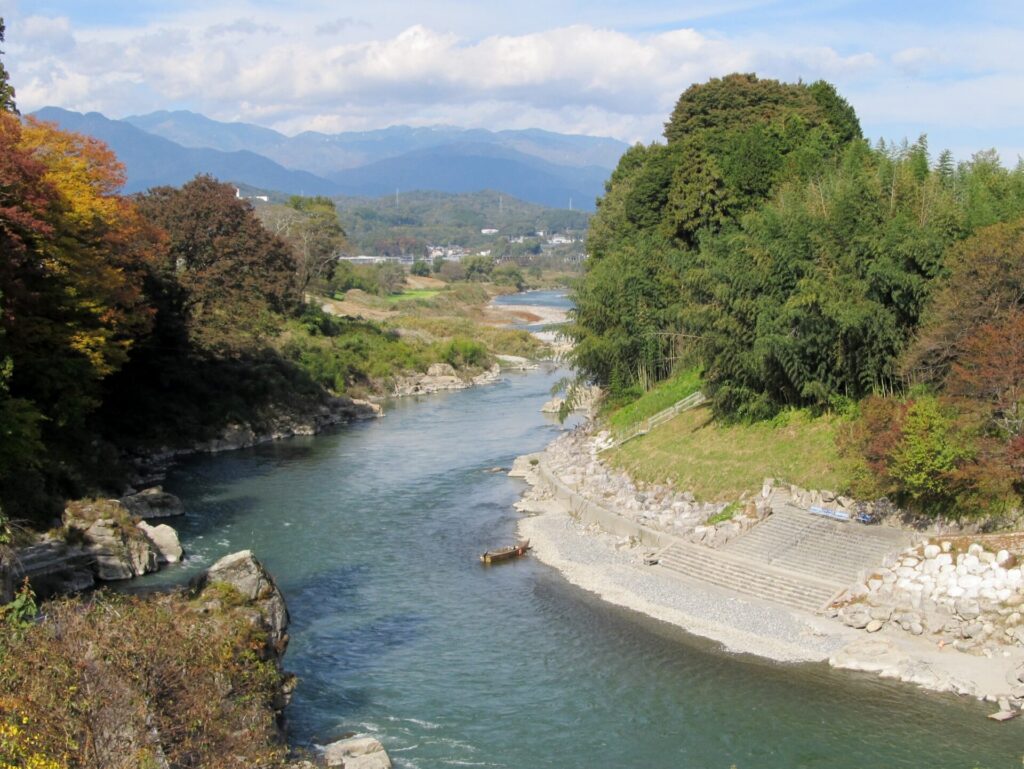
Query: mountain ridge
(445, 159)
(319, 152)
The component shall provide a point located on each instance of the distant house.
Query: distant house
(240, 196)
(488, 231)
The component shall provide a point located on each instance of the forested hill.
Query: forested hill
(768, 243)
(408, 223)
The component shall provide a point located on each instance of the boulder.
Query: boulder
(972, 630)
(153, 503)
(119, 550)
(967, 608)
(245, 574)
(165, 540)
(855, 615)
(552, 406)
(357, 753)
(440, 369)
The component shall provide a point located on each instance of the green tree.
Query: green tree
(391, 276)
(6, 89)
(931, 450)
(313, 230)
(478, 267)
(732, 144)
(420, 268)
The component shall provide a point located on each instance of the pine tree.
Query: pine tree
(945, 167)
(6, 89)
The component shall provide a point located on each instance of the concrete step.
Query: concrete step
(797, 541)
(736, 574)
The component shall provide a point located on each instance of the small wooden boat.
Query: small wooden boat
(505, 553)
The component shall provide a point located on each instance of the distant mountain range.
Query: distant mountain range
(555, 170)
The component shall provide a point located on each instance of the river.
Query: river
(373, 532)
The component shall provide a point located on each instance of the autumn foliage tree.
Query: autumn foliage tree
(74, 255)
(224, 277)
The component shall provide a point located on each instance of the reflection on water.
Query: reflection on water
(373, 533)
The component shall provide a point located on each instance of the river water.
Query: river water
(373, 533)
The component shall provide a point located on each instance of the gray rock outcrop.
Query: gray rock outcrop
(357, 753)
(254, 584)
(153, 503)
(441, 377)
(165, 540)
(118, 549)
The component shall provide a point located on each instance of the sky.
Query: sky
(951, 70)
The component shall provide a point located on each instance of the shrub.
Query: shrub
(727, 513)
(929, 453)
(461, 352)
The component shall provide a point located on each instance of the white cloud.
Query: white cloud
(49, 35)
(297, 68)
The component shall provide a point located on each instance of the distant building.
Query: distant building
(240, 196)
(364, 259)
(488, 231)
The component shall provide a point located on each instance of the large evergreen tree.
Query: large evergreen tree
(731, 143)
(6, 89)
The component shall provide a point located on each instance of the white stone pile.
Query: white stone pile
(972, 599)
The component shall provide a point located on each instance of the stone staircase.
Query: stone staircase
(742, 576)
(792, 558)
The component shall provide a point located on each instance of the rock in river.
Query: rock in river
(357, 753)
(245, 574)
(153, 503)
(165, 540)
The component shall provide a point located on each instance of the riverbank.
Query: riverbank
(613, 566)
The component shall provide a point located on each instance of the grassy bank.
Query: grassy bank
(666, 394)
(719, 462)
(432, 315)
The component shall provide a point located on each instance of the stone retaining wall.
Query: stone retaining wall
(588, 511)
(972, 600)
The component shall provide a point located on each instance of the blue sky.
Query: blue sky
(951, 70)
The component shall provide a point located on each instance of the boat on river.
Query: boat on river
(505, 553)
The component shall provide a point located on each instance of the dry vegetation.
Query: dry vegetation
(111, 682)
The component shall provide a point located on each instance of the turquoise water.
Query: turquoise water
(373, 533)
(551, 298)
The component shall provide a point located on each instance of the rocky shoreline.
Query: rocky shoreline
(150, 465)
(612, 561)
